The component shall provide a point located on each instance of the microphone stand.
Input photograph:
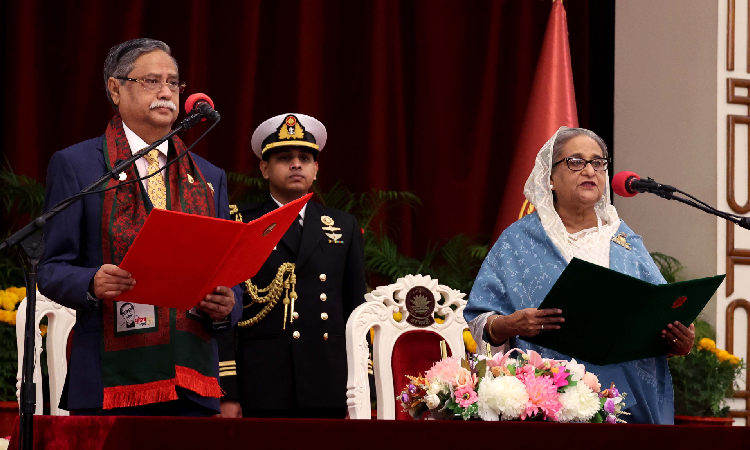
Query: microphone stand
(668, 192)
(30, 241)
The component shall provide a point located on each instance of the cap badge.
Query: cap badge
(291, 129)
(333, 237)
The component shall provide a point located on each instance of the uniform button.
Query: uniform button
(322, 277)
(324, 316)
(323, 297)
(295, 335)
(325, 336)
(295, 315)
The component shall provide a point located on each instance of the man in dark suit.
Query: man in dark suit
(288, 355)
(168, 363)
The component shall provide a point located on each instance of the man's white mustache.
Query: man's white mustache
(163, 104)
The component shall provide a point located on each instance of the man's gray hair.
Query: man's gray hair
(121, 58)
(565, 135)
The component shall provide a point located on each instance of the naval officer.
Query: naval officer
(287, 356)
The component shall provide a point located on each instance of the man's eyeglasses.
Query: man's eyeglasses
(152, 84)
(577, 164)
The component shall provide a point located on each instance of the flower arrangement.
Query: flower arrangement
(527, 387)
(703, 379)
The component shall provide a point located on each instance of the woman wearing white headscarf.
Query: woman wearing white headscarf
(569, 189)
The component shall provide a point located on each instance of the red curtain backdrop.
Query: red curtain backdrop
(421, 95)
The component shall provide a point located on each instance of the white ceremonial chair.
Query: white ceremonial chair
(377, 312)
(60, 321)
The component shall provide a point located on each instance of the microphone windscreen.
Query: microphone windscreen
(619, 183)
(194, 98)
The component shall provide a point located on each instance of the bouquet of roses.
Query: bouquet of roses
(526, 387)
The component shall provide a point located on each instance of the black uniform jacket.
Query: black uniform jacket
(304, 365)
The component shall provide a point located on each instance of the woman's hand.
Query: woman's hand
(680, 337)
(526, 322)
(531, 321)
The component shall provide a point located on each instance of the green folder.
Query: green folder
(611, 317)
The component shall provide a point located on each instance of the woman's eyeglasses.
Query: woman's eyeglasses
(578, 164)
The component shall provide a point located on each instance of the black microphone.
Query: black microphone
(628, 184)
(203, 104)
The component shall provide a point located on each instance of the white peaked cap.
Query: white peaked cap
(310, 133)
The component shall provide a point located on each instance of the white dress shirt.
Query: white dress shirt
(301, 211)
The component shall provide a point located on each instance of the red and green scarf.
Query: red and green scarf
(144, 364)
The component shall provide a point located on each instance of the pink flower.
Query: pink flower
(445, 370)
(500, 359)
(465, 378)
(535, 359)
(465, 396)
(592, 382)
(543, 396)
(524, 370)
(559, 377)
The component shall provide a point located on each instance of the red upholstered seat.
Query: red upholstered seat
(413, 354)
(406, 341)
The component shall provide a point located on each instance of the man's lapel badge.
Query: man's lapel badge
(333, 237)
(619, 239)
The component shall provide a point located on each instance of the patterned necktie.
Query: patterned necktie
(157, 191)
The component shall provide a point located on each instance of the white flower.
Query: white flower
(579, 404)
(577, 371)
(432, 401)
(501, 396)
(435, 387)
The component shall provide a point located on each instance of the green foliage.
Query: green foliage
(21, 197)
(701, 382)
(668, 266)
(24, 194)
(383, 258)
(8, 362)
(246, 187)
(11, 273)
(703, 329)
(455, 264)
(365, 206)
(461, 259)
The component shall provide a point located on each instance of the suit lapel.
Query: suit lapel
(311, 233)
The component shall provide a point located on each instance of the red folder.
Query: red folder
(177, 259)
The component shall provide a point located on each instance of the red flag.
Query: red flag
(552, 104)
